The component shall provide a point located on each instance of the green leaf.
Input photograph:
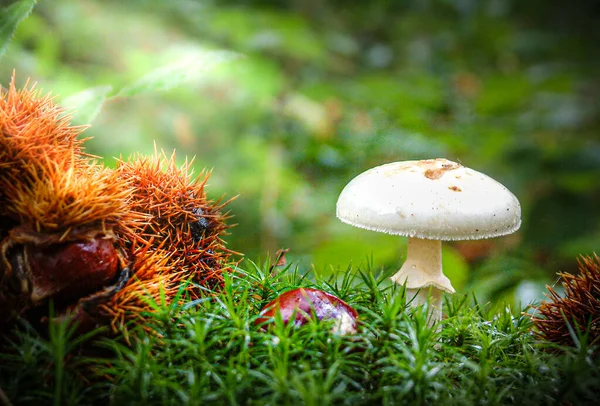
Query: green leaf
(185, 70)
(86, 104)
(10, 17)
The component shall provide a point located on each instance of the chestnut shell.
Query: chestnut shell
(72, 269)
(32, 274)
(305, 303)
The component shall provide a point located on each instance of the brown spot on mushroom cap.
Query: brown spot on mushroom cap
(437, 173)
(436, 168)
(455, 188)
(431, 168)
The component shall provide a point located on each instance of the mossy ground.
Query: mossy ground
(209, 350)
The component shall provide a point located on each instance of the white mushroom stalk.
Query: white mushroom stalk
(428, 201)
(422, 275)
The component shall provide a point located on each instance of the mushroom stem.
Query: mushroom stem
(431, 296)
(423, 263)
(422, 275)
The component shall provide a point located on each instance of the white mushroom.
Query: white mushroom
(428, 201)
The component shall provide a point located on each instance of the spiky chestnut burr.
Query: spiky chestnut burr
(577, 310)
(63, 246)
(57, 208)
(100, 243)
(33, 127)
(181, 221)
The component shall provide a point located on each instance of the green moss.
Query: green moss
(210, 351)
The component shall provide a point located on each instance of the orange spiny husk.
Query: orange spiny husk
(153, 279)
(55, 203)
(577, 309)
(176, 203)
(60, 200)
(53, 194)
(33, 130)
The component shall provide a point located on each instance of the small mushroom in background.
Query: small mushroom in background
(428, 201)
(305, 303)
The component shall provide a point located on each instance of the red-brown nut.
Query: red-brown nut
(72, 269)
(305, 303)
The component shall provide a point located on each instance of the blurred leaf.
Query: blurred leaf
(498, 277)
(529, 291)
(406, 90)
(10, 18)
(186, 70)
(262, 30)
(455, 267)
(258, 79)
(313, 115)
(549, 229)
(87, 104)
(356, 246)
(582, 245)
(501, 94)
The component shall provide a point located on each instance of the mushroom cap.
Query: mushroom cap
(433, 199)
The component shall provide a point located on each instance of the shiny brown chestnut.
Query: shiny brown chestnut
(303, 304)
(74, 268)
(33, 272)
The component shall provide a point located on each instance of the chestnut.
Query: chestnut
(73, 269)
(305, 303)
(64, 271)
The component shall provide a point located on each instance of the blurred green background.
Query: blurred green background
(288, 100)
